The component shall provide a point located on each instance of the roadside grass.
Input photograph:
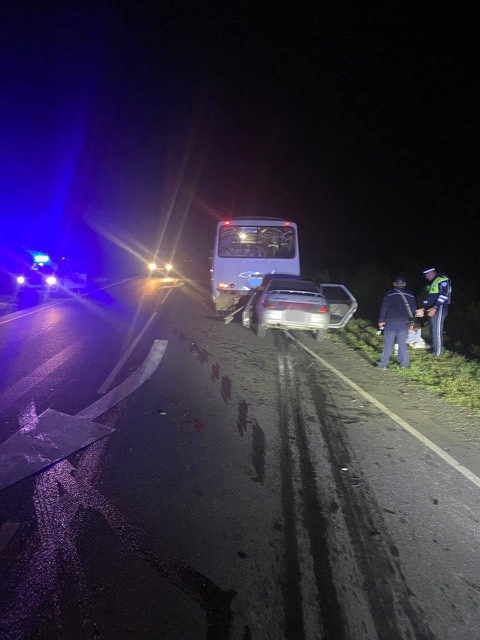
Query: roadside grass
(451, 376)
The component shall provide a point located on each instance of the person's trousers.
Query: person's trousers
(395, 331)
(436, 329)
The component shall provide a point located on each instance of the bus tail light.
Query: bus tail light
(222, 286)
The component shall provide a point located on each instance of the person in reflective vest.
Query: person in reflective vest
(438, 293)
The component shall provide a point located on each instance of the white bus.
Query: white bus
(246, 249)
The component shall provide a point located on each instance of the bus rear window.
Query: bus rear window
(256, 242)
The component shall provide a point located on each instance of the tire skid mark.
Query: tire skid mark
(330, 616)
(392, 607)
(226, 389)
(214, 601)
(242, 421)
(294, 625)
(258, 444)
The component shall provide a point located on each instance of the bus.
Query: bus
(246, 249)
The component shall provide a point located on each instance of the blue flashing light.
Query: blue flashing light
(41, 257)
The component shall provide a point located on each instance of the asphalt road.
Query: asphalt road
(252, 489)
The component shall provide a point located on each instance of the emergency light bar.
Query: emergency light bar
(41, 257)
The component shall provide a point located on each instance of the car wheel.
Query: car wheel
(261, 331)
(320, 337)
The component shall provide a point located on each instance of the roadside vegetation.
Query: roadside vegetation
(453, 376)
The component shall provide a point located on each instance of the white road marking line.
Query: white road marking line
(52, 438)
(105, 386)
(169, 290)
(6, 532)
(13, 393)
(474, 479)
(17, 315)
(129, 385)
(167, 294)
(56, 435)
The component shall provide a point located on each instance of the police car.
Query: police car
(39, 276)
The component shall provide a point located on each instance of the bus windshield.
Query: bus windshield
(257, 241)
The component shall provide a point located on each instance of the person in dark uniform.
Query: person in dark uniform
(394, 319)
(438, 294)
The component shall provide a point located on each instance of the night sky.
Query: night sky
(151, 121)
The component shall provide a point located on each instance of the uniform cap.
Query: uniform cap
(428, 269)
(400, 280)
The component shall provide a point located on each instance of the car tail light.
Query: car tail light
(270, 304)
(225, 285)
(317, 308)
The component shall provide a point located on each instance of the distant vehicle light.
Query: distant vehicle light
(287, 224)
(224, 285)
(152, 266)
(169, 266)
(41, 257)
(21, 279)
(227, 222)
(51, 280)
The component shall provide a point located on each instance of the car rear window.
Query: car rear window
(294, 285)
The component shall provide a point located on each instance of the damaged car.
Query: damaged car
(290, 302)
